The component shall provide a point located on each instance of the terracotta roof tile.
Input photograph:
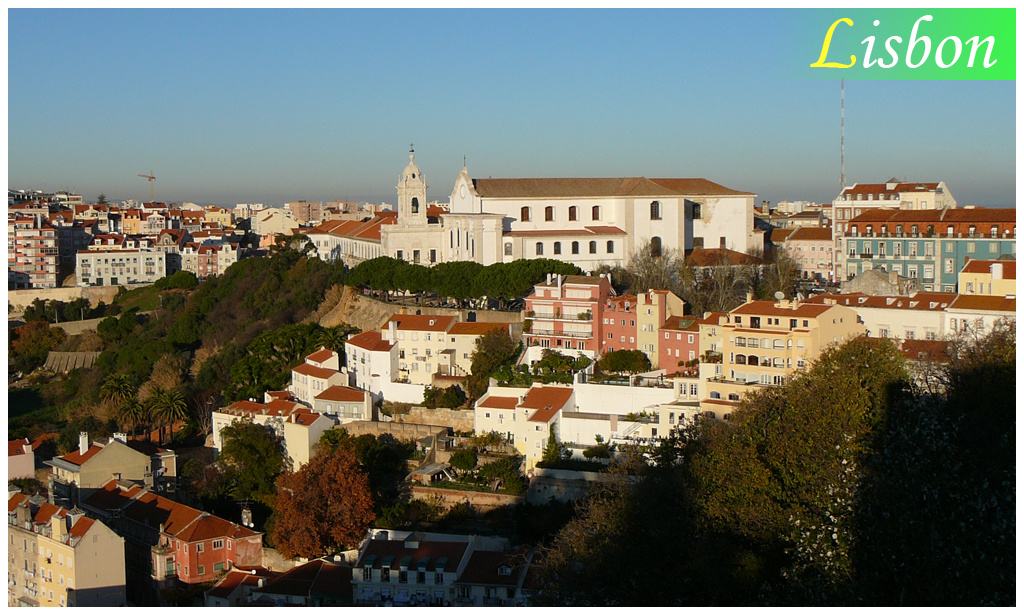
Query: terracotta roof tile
(985, 267)
(434, 550)
(568, 187)
(420, 322)
(312, 371)
(370, 341)
(769, 308)
(717, 256)
(476, 328)
(16, 447)
(497, 402)
(547, 400)
(973, 302)
(342, 394)
(77, 458)
(806, 233)
(321, 355)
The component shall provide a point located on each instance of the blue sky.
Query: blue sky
(271, 106)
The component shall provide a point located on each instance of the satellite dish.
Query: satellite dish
(779, 296)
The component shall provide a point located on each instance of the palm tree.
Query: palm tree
(168, 406)
(118, 388)
(132, 413)
(332, 338)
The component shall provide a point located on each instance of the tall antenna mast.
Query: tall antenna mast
(842, 135)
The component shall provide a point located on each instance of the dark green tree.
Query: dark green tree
(254, 456)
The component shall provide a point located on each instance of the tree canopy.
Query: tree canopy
(324, 507)
(254, 457)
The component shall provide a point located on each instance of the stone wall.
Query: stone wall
(20, 299)
(455, 419)
(479, 501)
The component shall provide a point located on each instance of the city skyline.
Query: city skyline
(273, 106)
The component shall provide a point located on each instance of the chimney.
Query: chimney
(750, 296)
(59, 526)
(549, 279)
(83, 442)
(997, 271)
(392, 331)
(121, 437)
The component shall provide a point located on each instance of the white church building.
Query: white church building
(586, 221)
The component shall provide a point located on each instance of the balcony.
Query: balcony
(555, 333)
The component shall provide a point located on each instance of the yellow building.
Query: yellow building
(653, 308)
(220, 216)
(763, 343)
(988, 278)
(58, 557)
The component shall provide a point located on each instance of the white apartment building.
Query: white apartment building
(320, 371)
(119, 267)
(298, 426)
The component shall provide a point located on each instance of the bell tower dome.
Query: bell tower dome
(412, 194)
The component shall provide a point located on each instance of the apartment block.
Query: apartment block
(119, 267)
(58, 557)
(762, 343)
(988, 277)
(932, 246)
(33, 256)
(565, 312)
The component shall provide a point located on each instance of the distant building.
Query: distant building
(306, 212)
(21, 460)
(812, 250)
(119, 267)
(298, 426)
(988, 277)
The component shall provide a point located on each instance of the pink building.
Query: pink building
(565, 313)
(811, 248)
(618, 324)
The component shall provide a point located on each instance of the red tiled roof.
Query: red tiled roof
(315, 577)
(482, 568)
(16, 447)
(880, 188)
(77, 458)
(547, 400)
(568, 232)
(312, 371)
(924, 349)
(567, 187)
(717, 256)
(577, 280)
(497, 402)
(81, 527)
(420, 323)
(985, 267)
(769, 308)
(921, 301)
(321, 355)
(807, 233)
(679, 323)
(15, 500)
(236, 577)
(435, 550)
(343, 394)
(370, 341)
(975, 302)
(476, 328)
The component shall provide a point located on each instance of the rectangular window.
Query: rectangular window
(202, 570)
(218, 544)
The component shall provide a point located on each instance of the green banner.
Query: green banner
(924, 44)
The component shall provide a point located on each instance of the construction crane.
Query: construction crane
(151, 179)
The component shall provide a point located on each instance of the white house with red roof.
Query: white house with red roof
(319, 372)
(344, 404)
(299, 427)
(524, 416)
(370, 361)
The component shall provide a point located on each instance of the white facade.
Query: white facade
(298, 426)
(587, 221)
(119, 267)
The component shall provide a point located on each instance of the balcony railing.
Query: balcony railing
(555, 333)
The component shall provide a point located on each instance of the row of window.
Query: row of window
(574, 248)
(972, 230)
(549, 213)
(403, 576)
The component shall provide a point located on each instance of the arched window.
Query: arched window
(656, 247)
(572, 213)
(593, 247)
(715, 395)
(558, 247)
(655, 210)
(752, 360)
(575, 247)
(741, 359)
(595, 212)
(540, 248)
(415, 205)
(611, 247)
(524, 214)
(549, 214)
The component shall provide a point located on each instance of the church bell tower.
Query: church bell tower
(412, 195)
